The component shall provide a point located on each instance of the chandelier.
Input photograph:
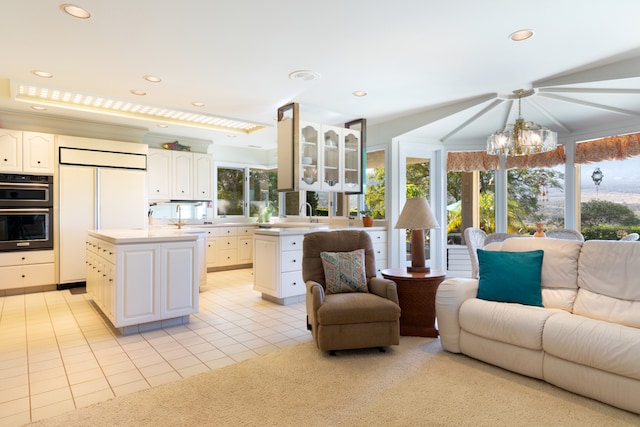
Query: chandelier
(522, 137)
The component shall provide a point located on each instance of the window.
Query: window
(263, 191)
(374, 197)
(230, 191)
(535, 195)
(610, 200)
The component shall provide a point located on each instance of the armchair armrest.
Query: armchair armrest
(449, 297)
(314, 299)
(384, 287)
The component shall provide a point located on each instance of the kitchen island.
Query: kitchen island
(277, 264)
(143, 279)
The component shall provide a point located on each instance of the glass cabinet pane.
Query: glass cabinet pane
(309, 155)
(331, 148)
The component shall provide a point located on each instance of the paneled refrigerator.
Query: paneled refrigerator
(96, 196)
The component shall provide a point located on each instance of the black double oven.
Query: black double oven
(26, 212)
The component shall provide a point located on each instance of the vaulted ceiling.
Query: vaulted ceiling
(436, 70)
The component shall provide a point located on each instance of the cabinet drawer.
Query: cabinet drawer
(291, 284)
(228, 257)
(380, 250)
(26, 257)
(108, 252)
(378, 236)
(291, 243)
(212, 232)
(227, 243)
(245, 231)
(291, 261)
(227, 231)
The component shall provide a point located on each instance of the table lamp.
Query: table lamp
(416, 216)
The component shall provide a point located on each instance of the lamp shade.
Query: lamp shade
(417, 214)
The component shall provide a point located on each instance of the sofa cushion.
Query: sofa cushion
(514, 324)
(344, 271)
(510, 276)
(357, 307)
(595, 343)
(609, 280)
(559, 268)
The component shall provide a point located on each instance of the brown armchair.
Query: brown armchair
(350, 320)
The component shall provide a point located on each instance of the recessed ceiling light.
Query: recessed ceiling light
(138, 92)
(304, 75)
(521, 35)
(152, 78)
(43, 74)
(75, 11)
(160, 125)
(197, 104)
(359, 93)
(38, 108)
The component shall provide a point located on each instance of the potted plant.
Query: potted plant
(367, 217)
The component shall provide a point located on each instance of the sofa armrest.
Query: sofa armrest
(449, 297)
(384, 288)
(314, 299)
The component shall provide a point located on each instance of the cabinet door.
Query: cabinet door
(332, 146)
(10, 150)
(350, 173)
(309, 160)
(38, 152)
(245, 250)
(158, 174)
(181, 279)
(203, 177)
(265, 266)
(182, 174)
(137, 299)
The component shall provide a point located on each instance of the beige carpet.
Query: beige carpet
(414, 384)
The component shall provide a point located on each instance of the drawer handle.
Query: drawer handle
(293, 260)
(294, 283)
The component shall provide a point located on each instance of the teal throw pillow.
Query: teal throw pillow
(511, 276)
(344, 271)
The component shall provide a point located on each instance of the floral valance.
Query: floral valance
(469, 161)
(611, 148)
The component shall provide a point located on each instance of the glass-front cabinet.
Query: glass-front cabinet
(317, 157)
(309, 161)
(352, 177)
(331, 153)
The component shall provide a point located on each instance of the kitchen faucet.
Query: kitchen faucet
(302, 207)
(179, 210)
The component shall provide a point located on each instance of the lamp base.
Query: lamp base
(419, 269)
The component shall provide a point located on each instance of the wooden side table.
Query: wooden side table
(417, 297)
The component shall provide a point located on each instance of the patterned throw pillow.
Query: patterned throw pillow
(344, 271)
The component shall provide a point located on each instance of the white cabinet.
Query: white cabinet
(277, 268)
(29, 152)
(179, 175)
(159, 174)
(229, 247)
(24, 269)
(324, 157)
(142, 283)
(379, 240)
(202, 177)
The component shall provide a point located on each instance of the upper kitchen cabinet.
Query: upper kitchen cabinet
(318, 157)
(179, 175)
(202, 176)
(182, 175)
(29, 152)
(158, 174)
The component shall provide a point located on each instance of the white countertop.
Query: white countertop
(139, 235)
(278, 231)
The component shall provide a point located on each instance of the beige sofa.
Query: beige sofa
(586, 338)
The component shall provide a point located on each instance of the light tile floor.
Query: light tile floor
(58, 353)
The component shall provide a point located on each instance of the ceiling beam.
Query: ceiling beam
(625, 69)
(548, 115)
(603, 91)
(591, 104)
(475, 117)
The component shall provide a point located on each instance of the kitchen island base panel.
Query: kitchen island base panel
(151, 326)
(284, 301)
